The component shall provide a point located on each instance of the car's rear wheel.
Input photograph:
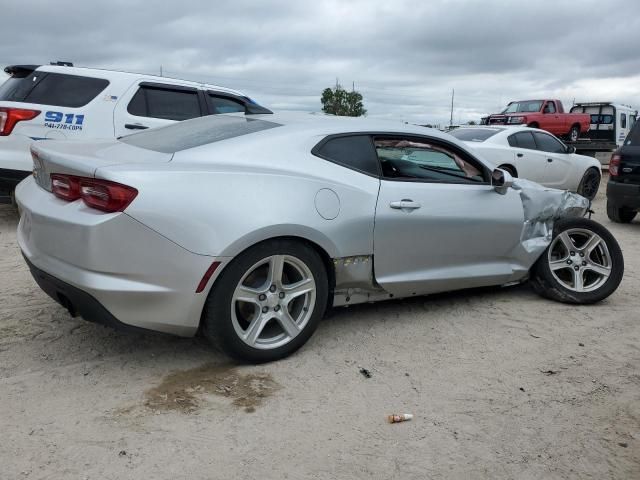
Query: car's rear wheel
(590, 183)
(574, 133)
(619, 214)
(583, 264)
(267, 302)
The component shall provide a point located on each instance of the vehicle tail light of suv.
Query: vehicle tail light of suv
(102, 195)
(10, 116)
(614, 164)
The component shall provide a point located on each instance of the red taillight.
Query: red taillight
(10, 116)
(65, 187)
(99, 194)
(105, 195)
(614, 164)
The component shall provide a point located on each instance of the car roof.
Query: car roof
(323, 124)
(116, 74)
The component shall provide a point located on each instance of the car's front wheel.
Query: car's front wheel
(583, 264)
(267, 302)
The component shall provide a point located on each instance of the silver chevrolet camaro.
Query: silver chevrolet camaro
(247, 229)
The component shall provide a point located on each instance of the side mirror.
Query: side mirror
(571, 149)
(501, 180)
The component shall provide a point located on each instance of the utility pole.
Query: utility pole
(453, 92)
(160, 70)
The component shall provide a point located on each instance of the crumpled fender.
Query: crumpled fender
(542, 207)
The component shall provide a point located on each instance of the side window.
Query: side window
(416, 158)
(524, 140)
(225, 104)
(623, 120)
(550, 108)
(165, 103)
(547, 143)
(632, 120)
(352, 151)
(138, 104)
(61, 90)
(513, 141)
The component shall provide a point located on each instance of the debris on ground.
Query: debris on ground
(402, 417)
(365, 373)
(581, 344)
(122, 453)
(550, 372)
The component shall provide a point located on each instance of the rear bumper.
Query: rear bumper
(76, 301)
(111, 268)
(10, 178)
(15, 161)
(623, 195)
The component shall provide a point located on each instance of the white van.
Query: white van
(610, 122)
(63, 102)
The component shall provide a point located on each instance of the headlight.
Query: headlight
(516, 120)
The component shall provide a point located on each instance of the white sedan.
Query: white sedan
(535, 155)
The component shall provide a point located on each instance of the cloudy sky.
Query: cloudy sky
(404, 56)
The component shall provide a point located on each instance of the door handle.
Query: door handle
(134, 126)
(405, 204)
(519, 155)
(549, 160)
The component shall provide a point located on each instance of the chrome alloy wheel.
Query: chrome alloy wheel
(273, 301)
(579, 259)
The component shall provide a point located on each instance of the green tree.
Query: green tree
(337, 101)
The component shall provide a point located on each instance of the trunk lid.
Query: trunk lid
(84, 158)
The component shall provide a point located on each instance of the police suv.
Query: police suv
(62, 102)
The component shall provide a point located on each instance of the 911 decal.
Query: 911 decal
(63, 121)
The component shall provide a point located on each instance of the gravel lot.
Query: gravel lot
(502, 383)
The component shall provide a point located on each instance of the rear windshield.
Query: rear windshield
(474, 134)
(633, 139)
(55, 89)
(194, 133)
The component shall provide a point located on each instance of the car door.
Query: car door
(553, 121)
(439, 224)
(558, 162)
(529, 162)
(151, 105)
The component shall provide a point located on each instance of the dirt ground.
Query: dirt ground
(503, 385)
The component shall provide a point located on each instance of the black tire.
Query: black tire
(590, 183)
(510, 169)
(620, 214)
(546, 284)
(574, 133)
(533, 125)
(217, 324)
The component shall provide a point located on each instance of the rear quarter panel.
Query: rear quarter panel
(219, 208)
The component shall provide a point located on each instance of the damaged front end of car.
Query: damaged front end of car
(542, 207)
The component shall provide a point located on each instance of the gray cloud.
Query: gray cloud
(404, 56)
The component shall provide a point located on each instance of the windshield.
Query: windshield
(517, 107)
(15, 88)
(474, 134)
(633, 139)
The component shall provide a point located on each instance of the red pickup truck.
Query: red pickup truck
(547, 115)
